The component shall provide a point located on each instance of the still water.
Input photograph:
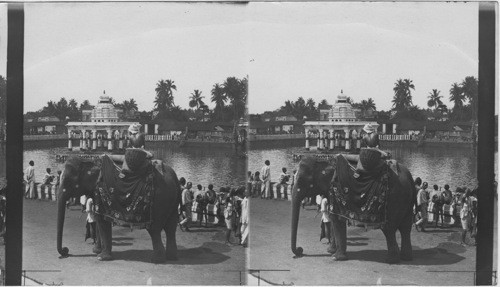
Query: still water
(453, 166)
(200, 166)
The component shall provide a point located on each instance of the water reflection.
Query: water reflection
(200, 166)
(456, 167)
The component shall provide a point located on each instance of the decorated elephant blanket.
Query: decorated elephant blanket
(127, 200)
(361, 199)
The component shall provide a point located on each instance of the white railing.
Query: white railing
(275, 137)
(397, 137)
(159, 138)
(44, 137)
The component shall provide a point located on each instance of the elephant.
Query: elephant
(316, 176)
(80, 177)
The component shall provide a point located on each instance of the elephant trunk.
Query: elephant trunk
(297, 198)
(61, 212)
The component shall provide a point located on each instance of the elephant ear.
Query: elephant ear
(323, 173)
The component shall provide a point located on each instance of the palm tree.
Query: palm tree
(164, 96)
(300, 108)
(196, 100)
(86, 105)
(457, 97)
(128, 106)
(236, 92)
(73, 109)
(434, 99)
(220, 99)
(402, 94)
(368, 104)
(310, 104)
(470, 90)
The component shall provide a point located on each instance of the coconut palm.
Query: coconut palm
(196, 100)
(457, 96)
(434, 99)
(220, 99)
(236, 92)
(368, 104)
(164, 95)
(73, 112)
(86, 105)
(470, 90)
(310, 104)
(402, 94)
(129, 107)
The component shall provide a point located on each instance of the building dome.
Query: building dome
(342, 111)
(104, 111)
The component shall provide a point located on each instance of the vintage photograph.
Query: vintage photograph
(247, 143)
(363, 143)
(133, 144)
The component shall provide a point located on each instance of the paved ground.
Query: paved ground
(204, 259)
(437, 253)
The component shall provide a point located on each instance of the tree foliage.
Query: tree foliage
(220, 99)
(434, 99)
(164, 95)
(402, 100)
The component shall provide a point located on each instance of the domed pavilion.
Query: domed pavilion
(103, 125)
(341, 126)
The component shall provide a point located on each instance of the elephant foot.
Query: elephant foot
(331, 250)
(392, 260)
(405, 257)
(96, 250)
(104, 257)
(339, 257)
(157, 259)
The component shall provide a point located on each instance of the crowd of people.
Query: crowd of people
(259, 183)
(49, 179)
(461, 204)
(228, 205)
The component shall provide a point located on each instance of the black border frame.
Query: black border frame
(14, 146)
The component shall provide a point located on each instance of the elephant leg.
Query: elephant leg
(106, 240)
(170, 230)
(332, 248)
(340, 233)
(392, 245)
(405, 230)
(158, 248)
(98, 243)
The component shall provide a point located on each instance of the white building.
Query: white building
(104, 126)
(339, 130)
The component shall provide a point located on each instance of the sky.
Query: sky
(288, 50)
(79, 50)
(315, 50)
